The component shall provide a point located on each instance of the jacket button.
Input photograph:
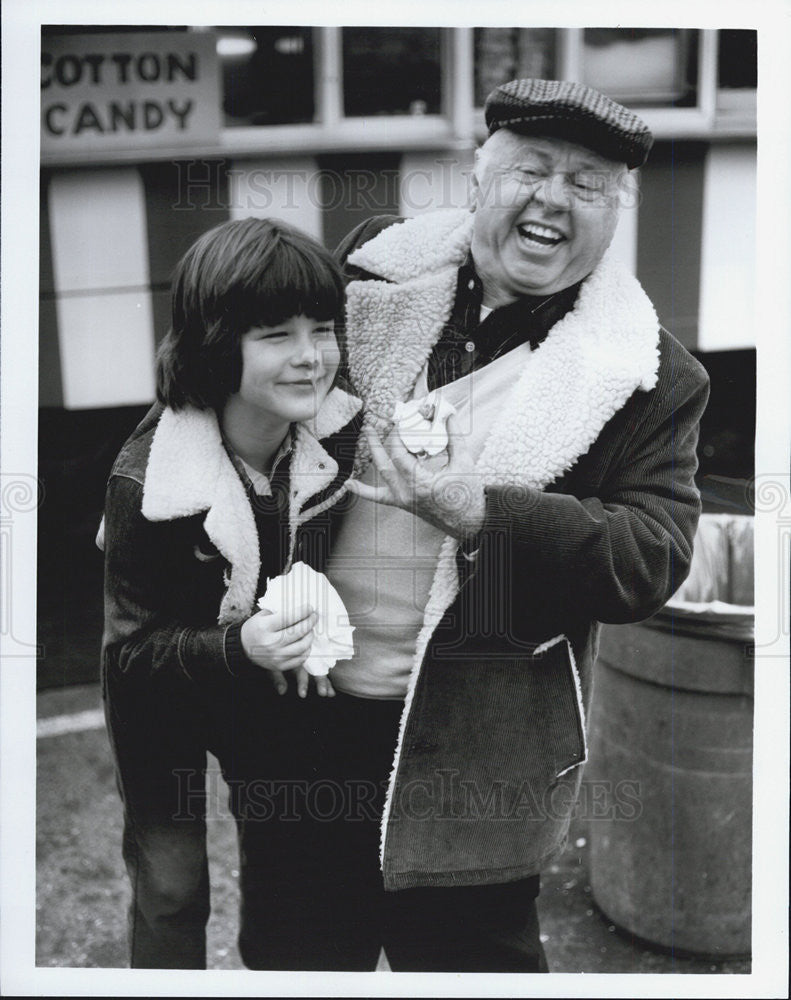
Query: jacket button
(321, 465)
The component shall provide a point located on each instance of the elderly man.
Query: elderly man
(477, 580)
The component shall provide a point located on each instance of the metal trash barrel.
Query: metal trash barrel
(672, 716)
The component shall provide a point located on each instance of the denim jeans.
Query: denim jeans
(307, 780)
(160, 734)
(313, 893)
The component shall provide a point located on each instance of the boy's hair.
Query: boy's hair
(239, 275)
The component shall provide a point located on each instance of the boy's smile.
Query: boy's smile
(287, 369)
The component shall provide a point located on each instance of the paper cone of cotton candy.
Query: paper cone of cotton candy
(422, 423)
(332, 633)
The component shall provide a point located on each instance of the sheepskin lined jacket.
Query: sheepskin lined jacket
(591, 509)
(182, 554)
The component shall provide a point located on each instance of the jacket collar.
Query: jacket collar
(416, 247)
(592, 360)
(189, 472)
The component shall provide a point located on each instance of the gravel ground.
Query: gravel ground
(82, 892)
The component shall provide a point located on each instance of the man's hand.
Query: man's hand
(281, 642)
(451, 498)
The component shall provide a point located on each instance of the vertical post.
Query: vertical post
(570, 45)
(707, 75)
(329, 78)
(458, 78)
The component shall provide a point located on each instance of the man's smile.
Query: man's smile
(539, 234)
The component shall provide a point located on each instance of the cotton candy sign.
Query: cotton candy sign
(332, 632)
(422, 423)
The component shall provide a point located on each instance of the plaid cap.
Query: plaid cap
(571, 111)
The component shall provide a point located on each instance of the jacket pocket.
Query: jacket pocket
(569, 678)
(480, 781)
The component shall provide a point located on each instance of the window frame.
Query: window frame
(703, 121)
(333, 131)
(459, 124)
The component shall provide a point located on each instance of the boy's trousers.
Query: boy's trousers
(307, 783)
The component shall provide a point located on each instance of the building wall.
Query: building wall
(727, 273)
(110, 238)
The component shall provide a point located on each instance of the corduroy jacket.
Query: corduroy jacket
(591, 509)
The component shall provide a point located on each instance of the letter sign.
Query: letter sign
(128, 92)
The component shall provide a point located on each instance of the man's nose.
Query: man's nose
(553, 192)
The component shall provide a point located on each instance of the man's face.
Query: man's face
(545, 212)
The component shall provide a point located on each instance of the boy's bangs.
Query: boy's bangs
(295, 282)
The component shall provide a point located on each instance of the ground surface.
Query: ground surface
(82, 891)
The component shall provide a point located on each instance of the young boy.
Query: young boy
(224, 485)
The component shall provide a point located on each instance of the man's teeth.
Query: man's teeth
(541, 234)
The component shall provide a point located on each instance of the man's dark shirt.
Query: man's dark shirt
(466, 344)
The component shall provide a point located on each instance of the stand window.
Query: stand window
(267, 75)
(392, 71)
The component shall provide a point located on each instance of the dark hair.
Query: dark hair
(239, 275)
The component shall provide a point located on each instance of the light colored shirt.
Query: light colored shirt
(259, 481)
(384, 558)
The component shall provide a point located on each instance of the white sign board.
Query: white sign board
(129, 91)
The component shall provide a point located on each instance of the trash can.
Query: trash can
(671, 723)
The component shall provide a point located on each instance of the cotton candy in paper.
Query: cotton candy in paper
(422, 423)
(302, 585)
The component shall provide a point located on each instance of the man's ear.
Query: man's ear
(628, 189)
(475, 183)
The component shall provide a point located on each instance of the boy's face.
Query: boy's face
(288, 369)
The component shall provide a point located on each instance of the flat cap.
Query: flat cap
(572, 111)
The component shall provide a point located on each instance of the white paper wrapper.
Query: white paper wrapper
(332, 632)
(422, 423)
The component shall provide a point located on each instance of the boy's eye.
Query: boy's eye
(274, 335)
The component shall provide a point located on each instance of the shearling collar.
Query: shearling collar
(592, 360)
(413, 248)
(189, 472)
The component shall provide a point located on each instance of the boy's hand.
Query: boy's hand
(279, 642)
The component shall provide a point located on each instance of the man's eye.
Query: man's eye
(275, 335)
(585, 182)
